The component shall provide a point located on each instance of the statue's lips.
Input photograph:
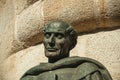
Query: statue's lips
(52, 49)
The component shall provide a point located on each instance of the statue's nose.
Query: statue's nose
(52, 41)
(52, 44)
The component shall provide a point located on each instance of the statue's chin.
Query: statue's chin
(52, 54)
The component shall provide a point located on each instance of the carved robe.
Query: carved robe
(71, 68)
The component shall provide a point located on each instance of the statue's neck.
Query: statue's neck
(52, 60)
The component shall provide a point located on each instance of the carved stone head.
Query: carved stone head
(59, 39)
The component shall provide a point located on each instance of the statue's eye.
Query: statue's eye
(47, 35)
(59, 35)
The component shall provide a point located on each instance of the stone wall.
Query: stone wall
(22, 21)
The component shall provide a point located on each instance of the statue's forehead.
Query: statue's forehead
(55, 28)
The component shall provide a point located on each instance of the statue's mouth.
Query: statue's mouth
(52, 49)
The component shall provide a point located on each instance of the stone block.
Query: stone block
(84, 15)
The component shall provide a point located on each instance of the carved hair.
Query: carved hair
(69, 31)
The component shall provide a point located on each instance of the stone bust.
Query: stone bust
(59, 39)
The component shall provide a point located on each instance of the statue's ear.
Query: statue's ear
(73, 39)
(72, 36)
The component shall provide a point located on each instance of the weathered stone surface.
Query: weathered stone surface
(83, 14)
(15, 66)
(102, 46)
(6, 14)
(7, 20)
(10, 8)
(21, 5)
(29, 24)
(8, 43)
(2, 2)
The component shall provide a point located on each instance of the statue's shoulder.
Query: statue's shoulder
(86, 61)
(42, 67)
(88, 66)
(84, 69)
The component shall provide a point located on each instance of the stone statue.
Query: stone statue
(59, 39)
